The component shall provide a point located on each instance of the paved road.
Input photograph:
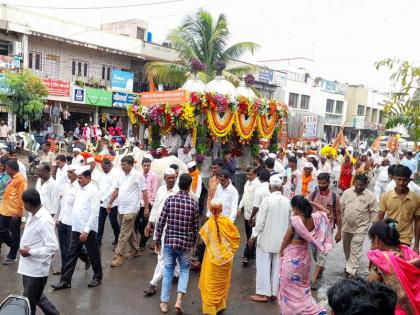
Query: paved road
(122, 289)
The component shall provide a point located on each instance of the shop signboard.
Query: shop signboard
(78, 95)
(122, 100)
(265, 75)
(4, 88)
(57, 87)
(359, 122)
(310, 124)
(122, 81)
(163, 97)
(280, 78)
(98, 97)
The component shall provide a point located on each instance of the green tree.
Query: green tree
(403, 107)
(203, 38)
(27, 95)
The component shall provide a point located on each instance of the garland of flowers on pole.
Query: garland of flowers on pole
(221, 111)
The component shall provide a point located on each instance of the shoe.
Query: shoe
(87, 264)
(115, 242)
(245, 261)
(94, 283)
(196, 265)
(114, 246)
(133, 253)
(150, 290)
(57, 273)
(141, 249)
(9, 261)
(61, 286)
(117, 260)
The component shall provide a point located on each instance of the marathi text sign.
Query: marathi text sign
(122, 100)
(310, 124)
(57, 87)
(122, 81)
(163, 97)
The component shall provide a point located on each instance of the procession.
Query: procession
(181, 178)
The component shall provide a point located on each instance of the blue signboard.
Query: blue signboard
(4, 89)
(122, 81)
(265, 75)
(122, 100)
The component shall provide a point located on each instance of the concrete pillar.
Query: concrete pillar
(25, 51)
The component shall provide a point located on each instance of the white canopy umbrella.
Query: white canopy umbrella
(243, 90)
(194, 84)
(221, 86)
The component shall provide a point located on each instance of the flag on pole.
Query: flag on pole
(376, 144)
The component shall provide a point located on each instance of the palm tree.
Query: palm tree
(201, 37)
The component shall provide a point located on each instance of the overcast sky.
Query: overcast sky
(344, 37)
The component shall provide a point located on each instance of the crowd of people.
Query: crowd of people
(295, 204)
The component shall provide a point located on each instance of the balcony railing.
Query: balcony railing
(332, 119)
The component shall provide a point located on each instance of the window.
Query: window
(4, 49)
(34, 61)
(338, 107)
(73, 67)
(103, 72)
(140, 33)
(360, 110)
(381, 117)
(85, 70)
(79, 68)
(304, 101)
(108, 74)
(330, 106)
(293, 100)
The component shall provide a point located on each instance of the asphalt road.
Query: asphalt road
(122, 289)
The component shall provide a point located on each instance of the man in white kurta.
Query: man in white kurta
(165, 191)
(48, 189)
(270, 228)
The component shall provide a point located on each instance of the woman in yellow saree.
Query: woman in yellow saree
(222, 240)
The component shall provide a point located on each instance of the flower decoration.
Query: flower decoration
(197, 65)
(249, 80)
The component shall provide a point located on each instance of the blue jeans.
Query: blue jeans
(171, 256)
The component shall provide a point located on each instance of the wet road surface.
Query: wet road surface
(122, 289)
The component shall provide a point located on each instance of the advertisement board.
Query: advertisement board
(98, 97)
(122, 100)
(57, 87)
(78, 95)
(122, 81)
(359, 122)
(310, 124)
(163, 97)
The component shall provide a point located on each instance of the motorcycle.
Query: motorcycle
(33, 162)
(15, 305)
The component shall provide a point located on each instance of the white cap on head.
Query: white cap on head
(72, 167)
(299, 151)
(169, 171)
(291, 154)
(90, 159)
(276, 180)
(308, 165)
(148, 156)
(82, 169)
(76, 150)
(191, 164)
(272, 155)
(312, 156)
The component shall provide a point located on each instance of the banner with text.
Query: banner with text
(57, 87)
(98, 97)
(310, 124)
(122, 81)
(122, 100)
(163, 97)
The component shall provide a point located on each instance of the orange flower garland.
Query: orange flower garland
(220, 126)
(266, 125)
(245, 126)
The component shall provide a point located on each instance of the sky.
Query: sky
(344, 37)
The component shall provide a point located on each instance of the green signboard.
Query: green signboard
(98, 97)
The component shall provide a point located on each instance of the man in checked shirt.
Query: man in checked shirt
(180, 215)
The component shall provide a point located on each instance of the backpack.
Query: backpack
(334, 197)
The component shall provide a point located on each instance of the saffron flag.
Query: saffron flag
(376, 144)
(339, 140)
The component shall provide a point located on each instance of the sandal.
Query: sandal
(164, 307)
(150, 290)
(314, 285)
(178, 310)
(259, 298)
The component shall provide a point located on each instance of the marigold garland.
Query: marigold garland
(220, 126)
(266, 125)
(245, 126)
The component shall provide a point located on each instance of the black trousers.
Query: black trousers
(140, 225)
(33, 289)
(73, 254)
(64, 235)
(10, 234)
(113, 219)
(248, 252)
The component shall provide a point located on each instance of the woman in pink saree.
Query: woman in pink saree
(306, 229)
(394, 264)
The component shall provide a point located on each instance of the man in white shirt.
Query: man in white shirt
(136, 148)
(47, 155)
(3, 131)
(96, 175)
(128, 188)
(78, 159)
(37, 247)
(169, 189)
(245, 205)
(106, 188)
(65, 218)
(84, 227)
(22, 168)
(270, 228)
(228, 195)
(186, 154)
(301, 160)
(61, 177)
(382, 179)
(48, 189)
(173, 142)
(197, 183)
(325, 166)
(261, 192)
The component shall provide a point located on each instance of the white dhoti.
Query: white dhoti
(160, 265)
(267, 281)
(379, 188)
